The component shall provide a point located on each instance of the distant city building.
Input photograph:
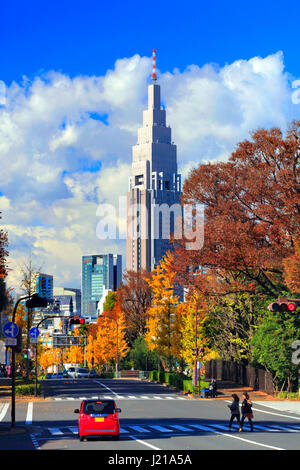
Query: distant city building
(99, 272)
(153, 198)
(102, 301)
(69, 299)
(44, 285)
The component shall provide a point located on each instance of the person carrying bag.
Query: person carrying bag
(246, 411)
(235, 410)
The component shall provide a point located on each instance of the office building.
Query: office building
(153, 198)
(44, 285)
(99, 272)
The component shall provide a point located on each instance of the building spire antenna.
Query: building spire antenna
(154, 77)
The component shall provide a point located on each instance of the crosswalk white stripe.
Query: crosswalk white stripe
(29, 414)
(123, 431)
(144, 397)
(202, 428)
(219, 426)
(264, 428)
(157, 398)
(73, 429)
(179, 427)
(132, 396)
(160, 428)
(285, 428)
(170, 398)
(139, 429)
(4, 410)
(55, 431)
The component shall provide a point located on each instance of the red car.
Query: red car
(98, 418)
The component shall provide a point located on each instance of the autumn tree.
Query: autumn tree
(135, 297)
(164, 319)
(252, 208)
(291, 267)
(107, 341)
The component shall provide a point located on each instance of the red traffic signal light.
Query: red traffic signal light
(284, 305)
(76, 320)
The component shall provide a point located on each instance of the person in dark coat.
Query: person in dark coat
(235, 410)
(213, 388)
(246, 411)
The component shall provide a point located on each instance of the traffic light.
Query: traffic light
(284, 305)
(202, 352)
(36, 301)
(77, 320)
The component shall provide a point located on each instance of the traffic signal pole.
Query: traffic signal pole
(13, 368)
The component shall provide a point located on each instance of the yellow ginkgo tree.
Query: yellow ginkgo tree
(164, 326)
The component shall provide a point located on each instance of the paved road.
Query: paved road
(153, 418)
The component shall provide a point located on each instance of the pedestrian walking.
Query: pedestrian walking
(246, 411)
(235, 410)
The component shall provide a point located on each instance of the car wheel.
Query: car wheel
(80, 438)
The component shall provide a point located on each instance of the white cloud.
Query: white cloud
(65, 144)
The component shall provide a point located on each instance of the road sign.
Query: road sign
(34, 332)
(10, 341)
(33, 340)
(10, 329)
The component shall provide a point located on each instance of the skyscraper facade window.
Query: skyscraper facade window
(99, 272)
(44, 285)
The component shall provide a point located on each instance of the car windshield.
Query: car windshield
(98, 407)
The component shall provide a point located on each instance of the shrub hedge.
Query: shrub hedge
(177, 380)
(27, 389)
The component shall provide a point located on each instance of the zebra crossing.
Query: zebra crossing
(173, 429)
(123, 397)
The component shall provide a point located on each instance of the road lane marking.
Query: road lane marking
(251, 442)
(29, 414)
(102, 384)
(3, 411)
(144, 443)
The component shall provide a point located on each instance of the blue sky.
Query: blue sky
(73, 86)
(87, 37)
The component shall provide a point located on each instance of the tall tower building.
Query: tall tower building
(154, 187)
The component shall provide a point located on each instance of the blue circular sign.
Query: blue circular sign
(34, 332)
(10, 329)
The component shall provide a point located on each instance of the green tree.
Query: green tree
(272, 347)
